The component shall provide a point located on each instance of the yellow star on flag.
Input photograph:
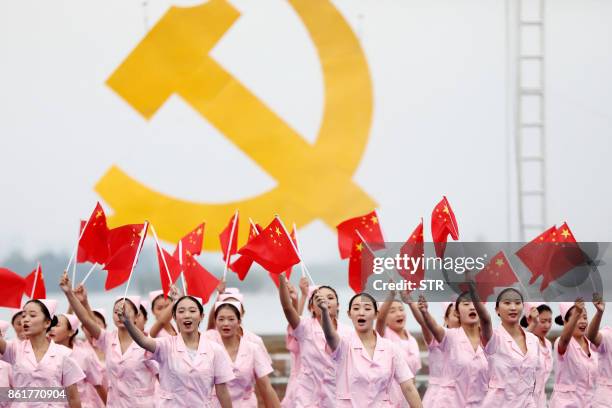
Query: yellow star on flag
(359, 247)
(499, 262)
(374, 220)
(565, 233)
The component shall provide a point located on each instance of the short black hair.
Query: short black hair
(200, 307)
(365, 294)
(155, 300)
(16, 315)
(505, 291)
(228, 306)
(101, 316)
(45, 311)
(540, 309)
(143, 312)
(310, 301)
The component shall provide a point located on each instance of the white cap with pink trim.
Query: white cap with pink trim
(237, 305)
(224, 296)
(74, 321)
(50, 304)
(564, 307)
(154, 294)
(134, 299)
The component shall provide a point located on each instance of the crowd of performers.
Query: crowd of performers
(184, 361)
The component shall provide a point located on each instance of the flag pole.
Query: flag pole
(74, 252)
(35, 280)
(73, 273)
(229, 245)
(295, 249)
(140, 245)
(180, 250)
(372, 252)
(89, 273)
(297, 244)
(163, 257)
(523, 288)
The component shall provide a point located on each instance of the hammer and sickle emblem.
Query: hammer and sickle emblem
(313, 180)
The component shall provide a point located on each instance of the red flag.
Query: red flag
(565, 255)
(35, 285)
(497, 273)
(200, 282)
(174, 269)
(93, 245)
(192, 242)
(275, 277)
(119, 266)
(443, 223)
(11, 288)
(242, 265)
(360, 266)
(368, 227)
(123, 236)
(224, 237)
(272, 249)
(536, 253)
(414, 270)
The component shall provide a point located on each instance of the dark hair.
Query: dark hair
(101, 316)
(45, 311)
(463, 295)
(540, 309)
(143, 312)
(228, 306)
(71, 339)
(366, 294)
(128, 301)
(16, 315)
(561, 320)
(311, 300)
(503, 292)
(200, 307)
(447, 311)
(155, 300)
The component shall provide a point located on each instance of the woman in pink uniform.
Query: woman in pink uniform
(249, 363)
(17, 325)
(602, 339)
(131, 376)
(291, 342)
(38, 361)
(190, 365)
(5, 368)
(367, 364)
(391, 324)
(538, 320)
(465, 374)
(576, 362)
(436, 357)
(513, 353)
(91, 390)
(316, 381)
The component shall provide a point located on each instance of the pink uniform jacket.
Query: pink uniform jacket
(603, 392)
(88, 362)
(294, 350)
(250, 364)
(187, 377)
(131, 376)
(512, 374)
(55, 369)
(5, 379)
(435, 360)
(364, 381)
(316, 380)
(412, 356)
(546, 366)
(465, 375)
(575, 377)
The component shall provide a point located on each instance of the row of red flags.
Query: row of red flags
(116, 250)
(550, 255)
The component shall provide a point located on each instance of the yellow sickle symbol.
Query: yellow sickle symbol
(314, 181)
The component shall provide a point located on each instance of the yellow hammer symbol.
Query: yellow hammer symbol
(314, 181)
